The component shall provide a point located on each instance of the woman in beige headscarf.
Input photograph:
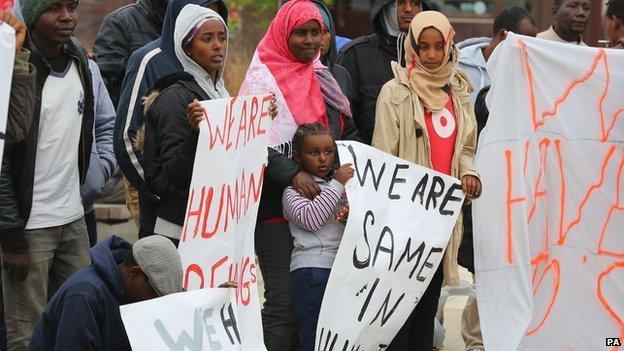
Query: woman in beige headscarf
(424, 115)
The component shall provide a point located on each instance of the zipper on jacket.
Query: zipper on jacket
(85, 164)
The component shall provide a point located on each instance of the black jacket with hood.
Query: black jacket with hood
(18, 164)
(124, 31)
(170, 143)
(367, 59)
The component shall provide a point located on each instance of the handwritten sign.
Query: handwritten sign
(549, 249)
(400, 221)
(197, 320)
(217, 241)
(7, 47)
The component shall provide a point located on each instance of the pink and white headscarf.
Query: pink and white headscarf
(298, 89)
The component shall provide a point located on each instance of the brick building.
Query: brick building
(469, 17)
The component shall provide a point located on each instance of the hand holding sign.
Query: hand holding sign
(344, 173)
(343, 214)
(273, 107)
(20, 29)
(195, 114)
(471, 185)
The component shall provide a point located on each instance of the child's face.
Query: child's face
(317, 154)
(431, 48)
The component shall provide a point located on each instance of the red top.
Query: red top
(442, 130)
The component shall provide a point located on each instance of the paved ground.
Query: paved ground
(452, 311)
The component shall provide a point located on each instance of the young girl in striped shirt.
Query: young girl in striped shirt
(316, 225)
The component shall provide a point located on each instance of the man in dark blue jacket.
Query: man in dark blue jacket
(84, 313)
(146, 65)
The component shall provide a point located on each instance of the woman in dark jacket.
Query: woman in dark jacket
(286, 63)
(171, 139)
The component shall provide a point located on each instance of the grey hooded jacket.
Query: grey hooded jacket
(473, 63)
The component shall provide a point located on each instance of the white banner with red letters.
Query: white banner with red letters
(548, 229)
(217, 241)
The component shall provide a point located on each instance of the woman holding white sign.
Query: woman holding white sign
(287, 62)
(201, 41)
(424, 115)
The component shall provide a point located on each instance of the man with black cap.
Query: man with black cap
(84, 312)
(368, 58)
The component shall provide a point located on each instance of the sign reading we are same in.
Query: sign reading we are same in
(400, 220)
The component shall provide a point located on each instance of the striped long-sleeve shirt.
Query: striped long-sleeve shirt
(312, 223)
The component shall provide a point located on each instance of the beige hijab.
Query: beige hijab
(427, 83)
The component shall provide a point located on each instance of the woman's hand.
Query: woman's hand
(305, 185)
(471, 185)
(273, 107)
(195, 114)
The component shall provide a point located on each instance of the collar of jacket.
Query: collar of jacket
(463, 117)
(183, 78)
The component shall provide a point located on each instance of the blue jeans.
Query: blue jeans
(307, 288)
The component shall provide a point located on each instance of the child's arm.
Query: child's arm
(308, 214)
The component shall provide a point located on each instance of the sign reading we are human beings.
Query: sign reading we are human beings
(217, 241)
(400, 220)
(548, 229)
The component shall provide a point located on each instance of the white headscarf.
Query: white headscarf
(190, 19)
(390, 21)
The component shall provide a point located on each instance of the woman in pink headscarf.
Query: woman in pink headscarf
(286, 62)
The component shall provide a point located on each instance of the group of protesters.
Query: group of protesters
(132, 104)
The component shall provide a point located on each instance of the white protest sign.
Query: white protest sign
(196, 320)
(217, 242)
(400, 220)
(7, 48)
(549, 249)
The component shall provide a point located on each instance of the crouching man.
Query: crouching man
(84, 313)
